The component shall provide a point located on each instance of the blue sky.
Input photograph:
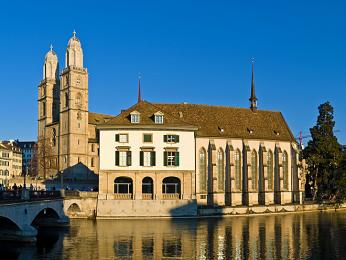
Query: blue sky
(192, 51)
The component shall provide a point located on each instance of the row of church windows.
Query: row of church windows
(238, 169)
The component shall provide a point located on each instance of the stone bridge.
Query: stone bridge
(20, 220)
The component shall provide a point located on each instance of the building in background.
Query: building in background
(10, 161)
(28, 153)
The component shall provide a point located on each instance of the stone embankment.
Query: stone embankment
(85, 205)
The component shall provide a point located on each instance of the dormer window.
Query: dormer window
(135, 117)
(158, 116)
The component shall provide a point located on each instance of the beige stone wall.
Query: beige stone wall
(106, 182)
(218, 196)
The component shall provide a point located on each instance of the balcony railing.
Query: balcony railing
(147, 196)
(170, 196)
(123, 196)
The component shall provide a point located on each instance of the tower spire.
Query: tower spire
(139, 88)
(253, 99)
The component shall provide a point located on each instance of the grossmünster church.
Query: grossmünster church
(155, 153)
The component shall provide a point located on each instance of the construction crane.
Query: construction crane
(301, 137)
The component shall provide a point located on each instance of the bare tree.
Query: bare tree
(44, 162)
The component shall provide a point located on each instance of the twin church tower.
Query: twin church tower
(67, 137)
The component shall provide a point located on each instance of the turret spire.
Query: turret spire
(139, 89)
(253, 99)
(51, 47)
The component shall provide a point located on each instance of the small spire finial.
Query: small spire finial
(253, 98)
(51, 47)
(139, 88)
(74, 33)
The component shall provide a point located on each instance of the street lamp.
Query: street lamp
(25, 173)
(62, 179)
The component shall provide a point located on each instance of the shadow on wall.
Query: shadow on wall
(186, 210)
(76, 177)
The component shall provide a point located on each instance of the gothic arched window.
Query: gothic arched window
(202, 170)
(237, 168)
(270, 169)
(220, 170)
(254, 169)
(285, 169)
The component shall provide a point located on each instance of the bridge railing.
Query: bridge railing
(17, 195)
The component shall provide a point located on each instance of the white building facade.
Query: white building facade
(146, 157)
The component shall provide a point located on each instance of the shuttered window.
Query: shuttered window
(147, 158)
(123, 158)
(171, 158)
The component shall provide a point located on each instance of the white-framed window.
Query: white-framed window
(158, 119)
(122, 138)
(122, 158)
(147, 158)
(135, 119)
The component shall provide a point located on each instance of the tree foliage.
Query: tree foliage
(323, 155)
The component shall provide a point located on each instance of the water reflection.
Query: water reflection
(292, 236)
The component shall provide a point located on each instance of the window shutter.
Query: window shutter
(176, 138)
(165, 158)
(128, 158)
(176, 158)
(165, 138)
(152, 159)
(141, 155)
(117, 158)
(117, 137)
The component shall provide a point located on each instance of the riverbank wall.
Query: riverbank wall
(88, 205)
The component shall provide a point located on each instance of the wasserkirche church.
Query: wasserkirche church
(166, 156)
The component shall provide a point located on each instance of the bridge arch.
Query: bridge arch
(44, 217)
(8, 224)
(74, 208)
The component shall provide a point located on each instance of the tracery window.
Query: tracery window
(254, 170)
(237, 168)
(285, 169)
(220, 170)
(270, 169)
(202, 170)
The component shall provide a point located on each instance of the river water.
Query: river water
(318, 235)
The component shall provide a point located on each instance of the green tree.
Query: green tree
(340, 179)
(323, 155)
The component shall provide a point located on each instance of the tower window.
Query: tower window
(43, 108)
(66, 99)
